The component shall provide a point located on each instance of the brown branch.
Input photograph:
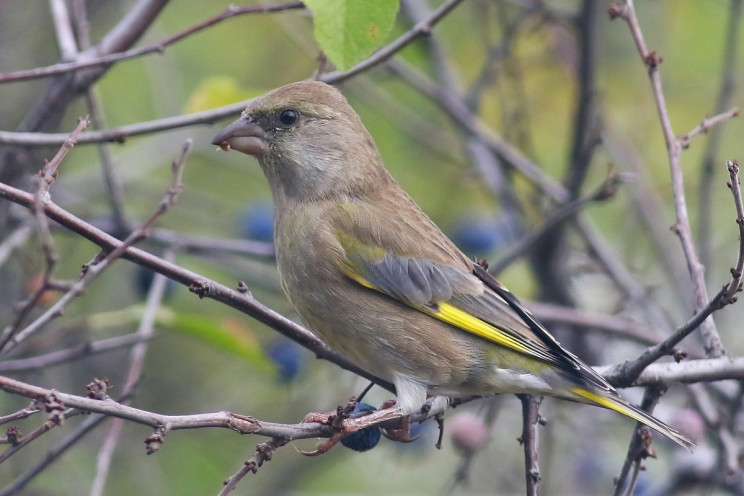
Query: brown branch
(157, 47)
(639, 448)
(97, 267)
(69, 354)
(687, 372)
(264, 453)
(20, 414)
(122, 133)
(44, 180)
(51, 455)
(731, 290)
(205, 288)
(422, 28)
(710, 160)
(530, 422)
(706, 125)
(626, 373)
(651, 59)
(522, 246)
(239, 423)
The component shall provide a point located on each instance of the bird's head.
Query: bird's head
(309, 141)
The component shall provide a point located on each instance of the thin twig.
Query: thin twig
(706, 125)
(241, 424)
(35, 434)
(95, 268)
(626, 373)
(52, 455)
(639, 447)
(530, 422)
(136, 366)
(731, 290)
(203, 287)
(605, 190)
(710, 160)
(264, 453)
(157, 47)
(651, 60)
(122, 133)
(68, 354)
(21, 414)
(422, 28)
(44, 179)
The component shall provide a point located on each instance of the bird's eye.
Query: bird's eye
(288, 117)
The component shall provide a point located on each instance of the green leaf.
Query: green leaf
(348, 31)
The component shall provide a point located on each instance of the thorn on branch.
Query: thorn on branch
(653, 59)
(55, 408)
(12, 435)
(251, 465)
(200, 288)
(679, 355)
(266, 451)
(616, 10)
(154, 441)
(97, 390)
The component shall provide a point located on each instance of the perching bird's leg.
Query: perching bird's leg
(346, 424)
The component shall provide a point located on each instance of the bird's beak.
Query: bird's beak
(243, 135)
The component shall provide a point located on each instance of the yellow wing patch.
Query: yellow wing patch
(459, 318)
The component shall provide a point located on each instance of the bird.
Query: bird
(375, 279)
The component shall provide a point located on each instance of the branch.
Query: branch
(97, 267)
(626, 373)
(730, 291)
(264, 453)
(239, 423)
(606, 190)
(157, 47)
(203, 287)
(639, 448)
(689, 372)
(422, 28)
(69, 354)
(727, 85)
(530, 421)
(712, 342)
(120, 134)
(706, 125)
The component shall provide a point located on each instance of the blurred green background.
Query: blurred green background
(207, 357)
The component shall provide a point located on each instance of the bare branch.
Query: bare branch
(730, 291)
(158, 47)
(530, 422)
(264, 453)
(69, 354)
(651, 59)
(706, 125)
(203, 287)
(97, 267)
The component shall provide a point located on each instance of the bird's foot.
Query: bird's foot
(344, 424)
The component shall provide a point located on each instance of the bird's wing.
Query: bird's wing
(472, 301)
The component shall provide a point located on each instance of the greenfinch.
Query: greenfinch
(379, 282)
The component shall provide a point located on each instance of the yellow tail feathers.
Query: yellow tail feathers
(621, 406)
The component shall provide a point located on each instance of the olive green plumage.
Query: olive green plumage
(378, 281)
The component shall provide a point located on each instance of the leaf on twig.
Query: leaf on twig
(350, 30)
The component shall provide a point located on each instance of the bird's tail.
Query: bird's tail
(619, 405)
